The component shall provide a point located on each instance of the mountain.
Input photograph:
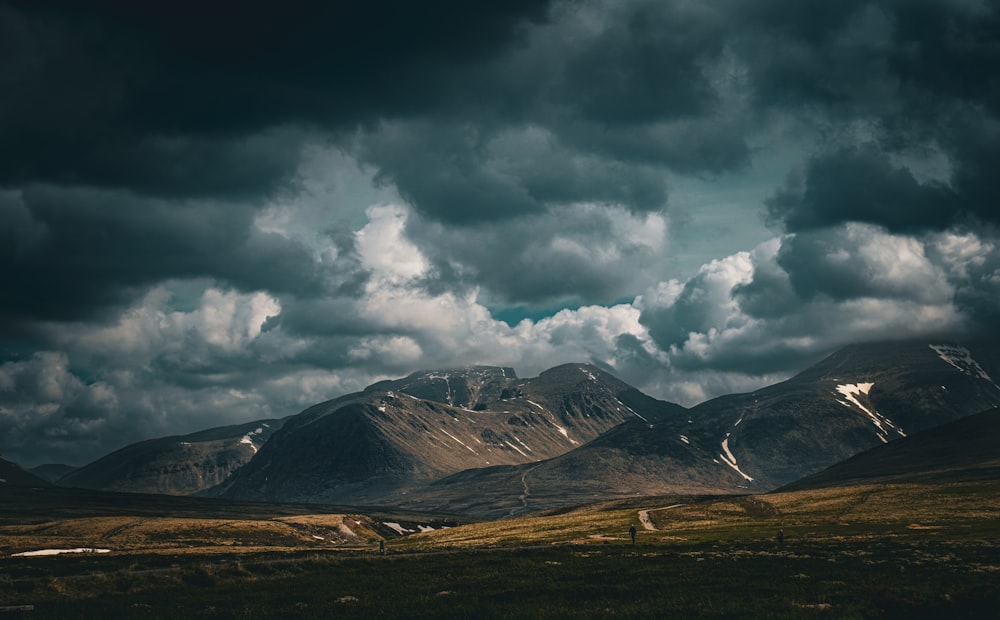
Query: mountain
(11, 475)
(176, 465)
(51, 472)
(966, 449)
(396, 436)
(861, 396)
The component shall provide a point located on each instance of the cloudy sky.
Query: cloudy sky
(211, 215)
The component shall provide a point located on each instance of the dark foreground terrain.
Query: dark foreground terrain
(875, 550)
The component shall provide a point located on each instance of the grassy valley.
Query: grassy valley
(863, 550)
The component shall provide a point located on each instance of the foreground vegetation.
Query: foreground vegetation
(869, 551)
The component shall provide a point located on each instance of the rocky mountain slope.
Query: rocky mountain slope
(177, 465)
(860, 397)
(396, 436)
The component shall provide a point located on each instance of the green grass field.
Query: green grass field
(874, 551)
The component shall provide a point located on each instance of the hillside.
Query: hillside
(51, 472)
(11, 475)
(856, 399)
(966, 449)
(176, 465)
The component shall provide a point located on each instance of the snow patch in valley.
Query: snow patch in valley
(42, 552)
(850, 392)
(399, 529)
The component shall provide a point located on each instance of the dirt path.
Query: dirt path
(647, 523)
(121, 528)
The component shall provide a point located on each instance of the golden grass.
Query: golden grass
(169, 534)
(966, 508)
(892, 508)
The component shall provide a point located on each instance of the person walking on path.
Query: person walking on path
(631, 533)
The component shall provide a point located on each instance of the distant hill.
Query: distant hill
(52, 471)
(967, 449)
(12, 475)
(176, 465)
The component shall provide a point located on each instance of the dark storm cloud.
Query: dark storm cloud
(103, 85)
(886, 80)
(143, 138)
(976, 273)
(701, 304)
(68, 253)
(645, 66)
(861, 185)
(844, 266)
(570, 255)
(597, 106)
(769, 295)
(458, 174)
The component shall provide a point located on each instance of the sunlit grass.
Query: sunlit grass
(849, 552)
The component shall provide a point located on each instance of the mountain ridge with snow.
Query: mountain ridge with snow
(480, 440)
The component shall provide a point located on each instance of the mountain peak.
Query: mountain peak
(471, 387)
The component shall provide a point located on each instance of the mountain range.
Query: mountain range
(484, 442)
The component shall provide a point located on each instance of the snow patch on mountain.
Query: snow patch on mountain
(248, 438)
(730, 460)
(515, 447)
(564, 432)
(850, 392)
(518, 440)
(459, 441)
(633, 411)
(962, 359)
